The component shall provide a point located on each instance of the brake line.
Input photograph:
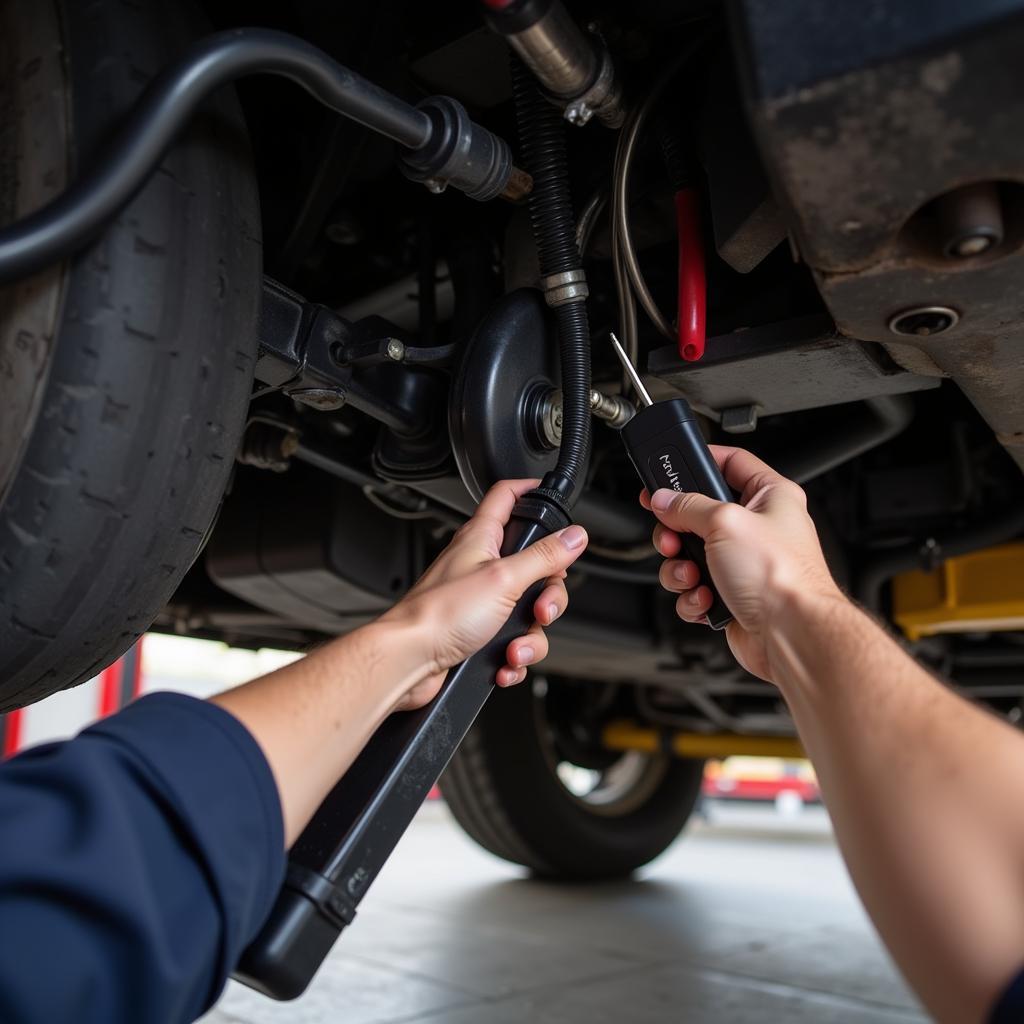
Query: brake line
(630, 283)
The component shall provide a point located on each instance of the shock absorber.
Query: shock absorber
(574, 67)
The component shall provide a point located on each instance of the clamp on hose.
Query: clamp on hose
(574, 67)
(561, 289)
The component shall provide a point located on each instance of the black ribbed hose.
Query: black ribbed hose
(543, 155)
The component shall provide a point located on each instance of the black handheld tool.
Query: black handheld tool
(667, 448)
(346, 843)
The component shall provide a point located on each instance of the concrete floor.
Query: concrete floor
(746, 919)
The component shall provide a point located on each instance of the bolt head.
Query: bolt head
(578, 114)
(395, 350)
(435, 185)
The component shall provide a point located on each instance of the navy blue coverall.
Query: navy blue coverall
(137, 862)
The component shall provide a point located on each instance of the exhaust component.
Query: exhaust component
(575, 68)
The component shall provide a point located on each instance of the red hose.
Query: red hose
(692, 283)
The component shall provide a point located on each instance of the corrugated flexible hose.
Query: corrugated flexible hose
(543, 155)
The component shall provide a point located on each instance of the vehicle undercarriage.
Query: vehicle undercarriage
(853, 193)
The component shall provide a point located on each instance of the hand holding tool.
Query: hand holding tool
(667, 449)
(353, 833)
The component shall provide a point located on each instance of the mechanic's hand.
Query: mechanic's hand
(760, 552)
(466, 596)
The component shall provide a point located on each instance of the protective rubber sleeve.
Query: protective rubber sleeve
(692, 316)
(137, 861)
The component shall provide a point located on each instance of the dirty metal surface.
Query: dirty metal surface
(799, 364)
(860, 125)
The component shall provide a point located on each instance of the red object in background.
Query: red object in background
(10, 732)
(121, 682)
(730, 788)
(692, 280)
(117, 685)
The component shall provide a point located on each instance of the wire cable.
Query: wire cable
(629, 277)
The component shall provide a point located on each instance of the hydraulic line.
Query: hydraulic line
(588, 219)
(441, 144)
(543, 153)
(683, 173)
(692, 309)
(630, 284)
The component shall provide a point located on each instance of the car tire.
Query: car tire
(125, 372)
(503, 787)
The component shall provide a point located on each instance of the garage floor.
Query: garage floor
(747, 919)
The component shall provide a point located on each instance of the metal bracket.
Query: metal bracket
(304, 353)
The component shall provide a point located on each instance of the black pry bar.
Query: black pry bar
(354, 831)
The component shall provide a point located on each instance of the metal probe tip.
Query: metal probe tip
(631, 370)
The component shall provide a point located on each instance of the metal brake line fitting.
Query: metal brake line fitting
(574, 67)
(615, 410)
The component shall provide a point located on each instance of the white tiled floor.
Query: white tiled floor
(742, 921)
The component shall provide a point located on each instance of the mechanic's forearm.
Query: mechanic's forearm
(923, 789)
(311, 718)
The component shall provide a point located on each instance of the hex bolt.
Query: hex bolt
(395, 350)
(924, 321)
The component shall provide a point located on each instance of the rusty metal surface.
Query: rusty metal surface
(858, 135)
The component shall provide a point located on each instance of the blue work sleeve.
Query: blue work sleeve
(136, 862)
(1010, 1008)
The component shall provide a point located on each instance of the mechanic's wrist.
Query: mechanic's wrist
(801, 616)
(791, 596)
(387, 654)
(402, 641)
